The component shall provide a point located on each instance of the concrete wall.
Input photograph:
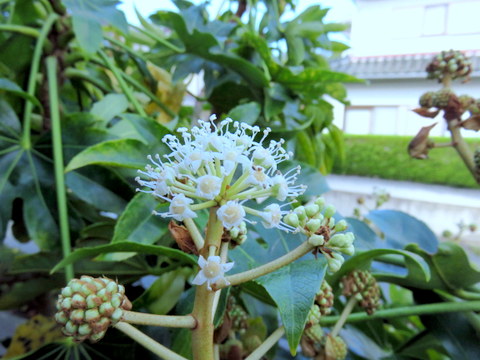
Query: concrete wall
(388, 103)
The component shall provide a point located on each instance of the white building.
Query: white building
(392, 41)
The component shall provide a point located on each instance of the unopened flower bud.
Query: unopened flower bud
(314, 333)
(291, 219)
(320, 202)
(300, 211)
(311, 209)
(335, 261)
(348, 250)
(341, 226)
(234, 232)
(314, 315)
(313, 225)
(316, 240)
(329, 211)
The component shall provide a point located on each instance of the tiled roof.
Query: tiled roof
(410, 66)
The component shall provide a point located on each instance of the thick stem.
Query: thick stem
(147, 342)
(259, 352)
(462, 148)
(444, 307)
(202, 335)
(181, 321)
(343, 316)
(24, 30)
(276, 264)
(58, 163)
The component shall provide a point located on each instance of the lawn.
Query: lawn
(386, 157)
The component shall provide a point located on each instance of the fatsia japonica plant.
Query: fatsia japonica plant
(226, 250)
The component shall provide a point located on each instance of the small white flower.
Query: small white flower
(208, 186)
(179, 208)
(263, 157)
(211, 271)
(282, 185)
(259, 177)
(231, 214)
(272, 217)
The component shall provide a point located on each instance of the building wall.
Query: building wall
(385, 107)
(388, 27)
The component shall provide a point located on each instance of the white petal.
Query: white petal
(202, 262)
(200, 279)
(228, 266)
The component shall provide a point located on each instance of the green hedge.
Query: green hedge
(386, 157)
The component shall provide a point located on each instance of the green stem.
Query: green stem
(462, 148)
(259, 352)
(147, 342)
(202, 335)
(444, 307)
(24, 30)
(32, 79)
(125, 88)
(194, 233)
(467, 295)
(58, 162)
(126, 48)
(160, 40)
(343, 316)
(182, 321)
(267, 268)
(151, 95)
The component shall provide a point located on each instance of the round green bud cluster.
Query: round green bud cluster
(451, 63)
(335, 348)
(316, 221)
(426, 100)
(324, 298)
(314, 315)
(466, 101)
(238, 317)
(442, 98)
(362, 285)
(86, 307)
(238, 234)
(314, 333)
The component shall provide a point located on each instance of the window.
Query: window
(435, 19)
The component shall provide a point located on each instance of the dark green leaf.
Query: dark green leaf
(401, 229)
(127, 153)
(293, 289)
(124, 247)
(9, 123)
(165, 292)
(10, 86)
(247, 113)
(94, 194)
(110, 106)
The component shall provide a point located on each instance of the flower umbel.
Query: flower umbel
(211, 271)
(221, 166)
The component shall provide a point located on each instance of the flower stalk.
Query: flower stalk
(181, 321)
(269, 342)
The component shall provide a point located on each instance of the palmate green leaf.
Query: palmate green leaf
(149, 131)
(311, 77)
(88, 18)
(11, 87)
(293, 289)
(305, 148)
(9, 123)
(89, 252)
(128, 153)
(206, 46)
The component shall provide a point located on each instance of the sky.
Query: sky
(341, 10)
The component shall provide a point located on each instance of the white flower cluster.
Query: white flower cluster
(224, 166)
